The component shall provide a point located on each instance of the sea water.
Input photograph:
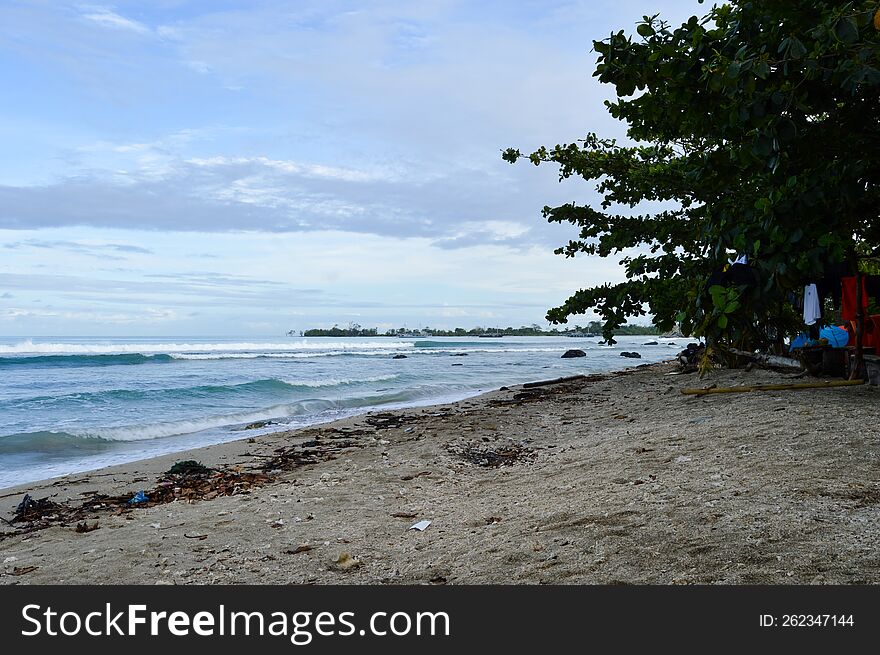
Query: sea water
(70, 405)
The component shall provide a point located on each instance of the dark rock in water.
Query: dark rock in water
(632, 355)
(255, 425)
(573, 353)
(504, 389)
(650, 343)
(458, 364)
(460, 355)
(399, 357)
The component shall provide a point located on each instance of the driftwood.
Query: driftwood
(770, 361)
(772, 387)
(544, 383)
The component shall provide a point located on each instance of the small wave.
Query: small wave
(446, 344)
(445, 351)
(283, 355)
(28, 347)
(48, 442)
(85, 360)
(338, 382)
(280, 389)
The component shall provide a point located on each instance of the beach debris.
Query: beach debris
(489, 457)
(302, 548)
(574, 352)
(139, 497)
(404, 515)
(188, 467)
(30, 510)
(85, 526)
(421, 525)
(44, 512)
(689, 358)
(22, 570)
(288, 458)
(544, 383)
(386, 420)
(415, 475)
(437, 579)
(772, 387)
(631, 355)
(543, 389)
(200, 537)
(345, 562)
(492, 520)
(528, 395)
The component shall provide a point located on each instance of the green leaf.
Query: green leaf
(797, 50)
(722, 321)
(786, 129)
(846, 29)
(718, 293)
(645, 30)
(762, 146)
(762, 70)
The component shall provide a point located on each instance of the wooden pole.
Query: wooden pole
(773, 387)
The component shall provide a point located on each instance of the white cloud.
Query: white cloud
(110, 19)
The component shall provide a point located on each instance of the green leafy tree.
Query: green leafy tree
(757, 129)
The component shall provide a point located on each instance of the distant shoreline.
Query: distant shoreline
(637, 331)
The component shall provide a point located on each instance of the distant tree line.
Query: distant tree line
(353, 330)
(533, 330)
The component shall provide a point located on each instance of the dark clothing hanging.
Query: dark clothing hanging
(829, 284)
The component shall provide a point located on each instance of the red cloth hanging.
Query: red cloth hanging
(848, 298)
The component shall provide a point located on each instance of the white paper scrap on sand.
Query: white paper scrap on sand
(421, 525)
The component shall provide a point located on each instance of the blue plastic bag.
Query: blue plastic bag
(139, 497)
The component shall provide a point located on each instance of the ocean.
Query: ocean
(75, 404)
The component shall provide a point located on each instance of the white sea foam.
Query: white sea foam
(281, 355)
(173, 428)
(333, 382)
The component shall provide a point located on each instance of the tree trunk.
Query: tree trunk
(860, 329)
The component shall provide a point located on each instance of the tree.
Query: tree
(756, 128)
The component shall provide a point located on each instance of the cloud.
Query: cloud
(149, 315)
(459, 207)
(184, 289)
(388, 121)
(99, 250)
(110, 19)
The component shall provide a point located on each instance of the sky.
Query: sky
(232, 167)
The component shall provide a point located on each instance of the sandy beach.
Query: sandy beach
(615, 478)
